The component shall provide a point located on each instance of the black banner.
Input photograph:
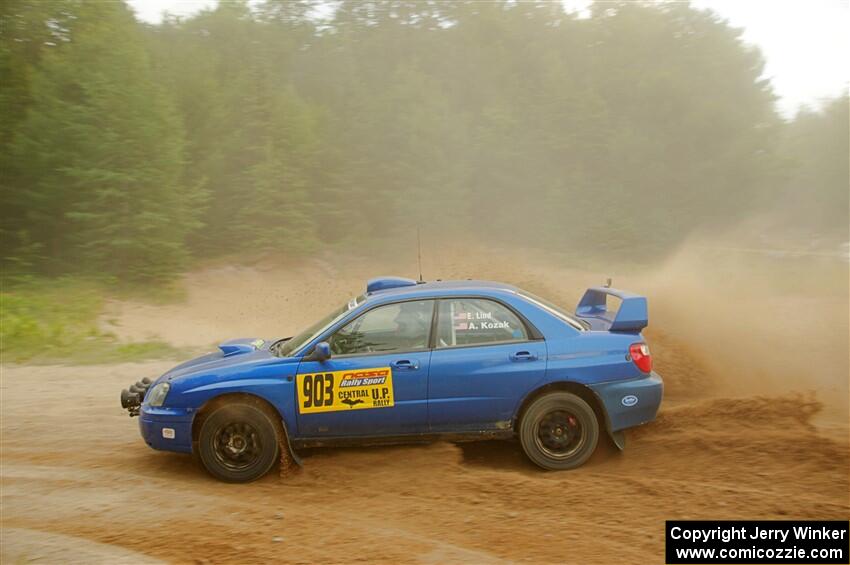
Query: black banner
(755, 541)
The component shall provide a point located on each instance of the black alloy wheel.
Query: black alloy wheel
(559, 431)
(238, 442)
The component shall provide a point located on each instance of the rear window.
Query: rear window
(556, 311)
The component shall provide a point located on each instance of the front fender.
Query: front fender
(280, 393)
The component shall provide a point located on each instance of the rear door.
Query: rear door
(483, 362)
(376, 381)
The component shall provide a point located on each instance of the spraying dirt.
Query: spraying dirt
(750, 428)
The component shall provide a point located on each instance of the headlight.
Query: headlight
(156, 396)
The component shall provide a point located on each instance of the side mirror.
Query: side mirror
(321, 352)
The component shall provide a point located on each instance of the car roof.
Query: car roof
(440, 287)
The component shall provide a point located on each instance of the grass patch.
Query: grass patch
(46, 321)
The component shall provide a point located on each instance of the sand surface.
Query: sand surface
(749, 429)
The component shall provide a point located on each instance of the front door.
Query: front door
(376, 381)
(483, 363)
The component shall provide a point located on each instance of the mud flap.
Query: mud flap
(289, 460)
(619, 439)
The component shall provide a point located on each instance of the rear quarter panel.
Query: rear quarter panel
(592, 357)
(600, 361)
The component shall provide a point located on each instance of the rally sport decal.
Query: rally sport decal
(331, 391)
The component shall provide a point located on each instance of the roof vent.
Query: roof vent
(383, 283)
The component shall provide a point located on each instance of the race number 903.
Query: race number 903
(317, 390)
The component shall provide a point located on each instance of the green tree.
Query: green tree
(252, 141)
(28, 29)
(129, 146)
(100, 155)
(816, 193)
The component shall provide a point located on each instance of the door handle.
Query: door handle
(523, 356)
(405, 365)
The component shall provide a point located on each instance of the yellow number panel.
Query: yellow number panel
(331, 391)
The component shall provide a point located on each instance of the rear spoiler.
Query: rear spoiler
(631, 316)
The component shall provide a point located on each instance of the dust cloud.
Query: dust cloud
(762, 323)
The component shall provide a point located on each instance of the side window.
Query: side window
(474, 321)
(402, 326)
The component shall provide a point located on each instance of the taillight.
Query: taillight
(639, 352)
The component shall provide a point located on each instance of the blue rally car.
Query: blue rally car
(408, 361)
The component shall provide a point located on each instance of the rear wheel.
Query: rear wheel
(559, 431)
(238, 442)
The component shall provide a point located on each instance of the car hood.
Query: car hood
(230, 353)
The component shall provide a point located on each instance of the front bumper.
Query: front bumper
(168, 429)
(631, 402)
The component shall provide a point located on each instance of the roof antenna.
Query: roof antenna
(608, 282)
(419, 253)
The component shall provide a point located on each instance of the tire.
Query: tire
(238, 442)
(559, 431)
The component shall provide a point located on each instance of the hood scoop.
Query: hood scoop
(239, 346)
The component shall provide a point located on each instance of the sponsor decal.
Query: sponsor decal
(629, 400)
(468, 321)
(332, 391)
(258, 343)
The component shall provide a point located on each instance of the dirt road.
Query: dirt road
(79, 485)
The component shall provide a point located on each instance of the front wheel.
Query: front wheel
(559, 431)
(238, 443)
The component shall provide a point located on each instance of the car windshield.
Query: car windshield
(285, 348)
(556, 310)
